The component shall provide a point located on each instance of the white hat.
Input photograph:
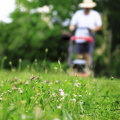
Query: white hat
(87, 4)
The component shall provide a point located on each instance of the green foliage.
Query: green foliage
(30, 34)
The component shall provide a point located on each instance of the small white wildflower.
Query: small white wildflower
(50, 83)
(46, 50)
(81, 102)
(20, 60)
(112, 78)
(74, 99)
(56, 81)
(23, 116)
(80, 95)
(89, 94)
(59, 62)
(60, 90)
(79, 83)
(53, 94)
(9, 91)
(65, 94)
(32, 77)
(76, 85)
(14, 88)
(21, 92)
(27, 83)
(62, 93)
(62, 98)
(0, 99)
(59, 107)
(55, 68)
(56, 119)
(75, 95)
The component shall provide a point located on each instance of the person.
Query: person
(85, 23)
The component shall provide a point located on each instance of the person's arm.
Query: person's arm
(98, 22)
(97, 28)
(72, 27)
(73, 22)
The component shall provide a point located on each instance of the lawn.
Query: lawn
(57, 96)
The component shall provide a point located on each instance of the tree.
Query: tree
(32, 31)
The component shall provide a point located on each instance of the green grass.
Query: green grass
(81, 99)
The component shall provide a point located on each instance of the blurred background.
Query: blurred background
(34, 30)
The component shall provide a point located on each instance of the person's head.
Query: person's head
(87, 10)
(87, 5)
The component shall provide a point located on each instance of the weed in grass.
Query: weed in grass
(3, 61)
(20, 65)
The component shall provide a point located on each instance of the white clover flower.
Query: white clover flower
(50, 83)
(55, 68)
(60, 90)
(62, 98)
(65, 94)
(89, 93)
(59, 107)
(81, 102)
(27, 83)
(32, 77)
(9, 91)
(56, 81)
(33, 87)
(53, 94)
(14, 88)
(74, 99)
(112, 78)
(23, 116)
(56, 119)
(76, 85)
(62, 93)
(75, 95)
(21, 92)
(79, 83)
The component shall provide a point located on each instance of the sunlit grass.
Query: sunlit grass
(57, 96)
